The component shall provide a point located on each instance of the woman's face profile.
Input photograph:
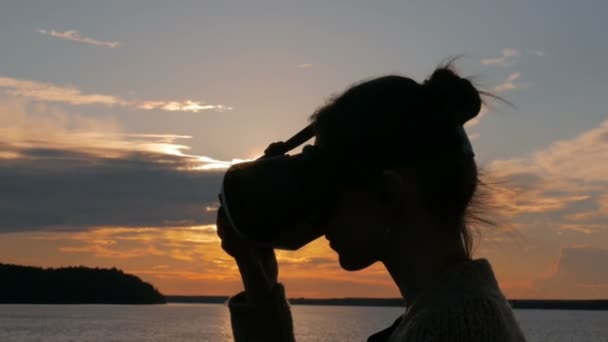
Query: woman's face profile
(355, 229)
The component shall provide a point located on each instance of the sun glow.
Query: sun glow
(214, 164)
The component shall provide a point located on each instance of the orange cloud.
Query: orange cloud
(555, 178)
(183, 243)
(189, 260)
(546, 201)
(578, 273)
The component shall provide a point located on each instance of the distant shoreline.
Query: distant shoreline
(548, 304)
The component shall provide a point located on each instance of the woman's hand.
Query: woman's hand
(257, 262)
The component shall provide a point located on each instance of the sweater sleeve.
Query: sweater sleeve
(266, 321)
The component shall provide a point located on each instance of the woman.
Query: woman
(409, 179)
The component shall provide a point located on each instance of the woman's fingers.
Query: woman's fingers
(243, 250)
(257, 261)
(220, 222)
(232, 243)
(223, 231)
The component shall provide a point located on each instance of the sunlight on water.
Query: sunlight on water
(209, 322)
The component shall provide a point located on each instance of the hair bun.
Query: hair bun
(453, 96)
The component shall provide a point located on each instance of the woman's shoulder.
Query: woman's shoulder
(469, 290)
(481, 317)
(466, 305)
(469, 305)
(471, 280)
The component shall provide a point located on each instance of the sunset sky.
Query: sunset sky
(118, 119)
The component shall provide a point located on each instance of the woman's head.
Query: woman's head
(404, 162)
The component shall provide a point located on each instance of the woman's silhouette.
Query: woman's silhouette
(409, 180)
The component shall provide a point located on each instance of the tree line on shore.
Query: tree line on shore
(73, 285)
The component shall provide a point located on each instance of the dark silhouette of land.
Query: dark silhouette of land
(83, 285)
(73, 285)
(550, 304)
(559, 304)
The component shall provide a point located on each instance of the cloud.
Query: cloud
(568, 178)
(192, 255)
(538, 53)
(184, 106)
(505, 59)
(579, 273)
(509, 83)
(51, 93)
(304, 66)
(48, 92)
(549, 200)
(475, 121)
(582, 158)
(188, 243)
(61, 171)
(66, 190)
(75, 36)
(178, 243)
(583, 228)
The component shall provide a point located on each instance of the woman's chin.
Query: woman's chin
(352, 264)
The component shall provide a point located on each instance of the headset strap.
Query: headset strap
(281, 147)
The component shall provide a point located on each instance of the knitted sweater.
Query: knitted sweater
(464, 304)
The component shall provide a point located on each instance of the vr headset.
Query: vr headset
(285, 200)
(278, 198)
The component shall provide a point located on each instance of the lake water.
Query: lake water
(211, 322)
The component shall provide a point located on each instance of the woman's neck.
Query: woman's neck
(414, 265)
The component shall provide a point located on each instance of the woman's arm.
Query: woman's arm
(261, 312)
(268, 320)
